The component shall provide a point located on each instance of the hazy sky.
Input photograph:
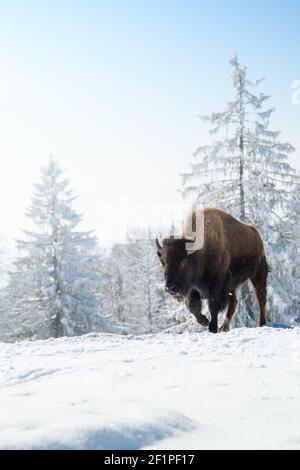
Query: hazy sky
(113, 90)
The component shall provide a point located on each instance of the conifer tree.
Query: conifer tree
(246, 171)
(53, 288)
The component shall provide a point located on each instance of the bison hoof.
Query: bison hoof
(225, 327)
(213, 328)
(202, 320)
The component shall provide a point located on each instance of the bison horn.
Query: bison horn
(159, 248)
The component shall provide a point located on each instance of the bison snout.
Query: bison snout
(171, 289)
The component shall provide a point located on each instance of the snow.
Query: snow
(189, 391)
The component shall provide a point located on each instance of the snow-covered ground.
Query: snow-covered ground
(234, 390)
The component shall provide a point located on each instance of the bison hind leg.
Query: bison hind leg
(259, 282)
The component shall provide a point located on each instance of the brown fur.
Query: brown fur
(232, 252)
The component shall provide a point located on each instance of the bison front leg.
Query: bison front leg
(194, 304)
(219, 298)
(230, 312)
(217, 304)
(214, 309)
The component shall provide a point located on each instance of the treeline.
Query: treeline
(63, 284)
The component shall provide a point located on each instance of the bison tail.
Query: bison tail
(265, 264)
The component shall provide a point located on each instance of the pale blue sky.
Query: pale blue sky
(113, 89)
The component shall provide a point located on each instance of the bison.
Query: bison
(231, 253)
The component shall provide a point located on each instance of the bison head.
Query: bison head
(177, 266)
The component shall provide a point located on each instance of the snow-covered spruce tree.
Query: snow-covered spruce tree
(245, 170)
(53, 289)
(133, 288)
(151, 282)
(3, 261)
(114, 289)
(3, 281)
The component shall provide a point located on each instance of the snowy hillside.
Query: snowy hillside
(235, 390)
